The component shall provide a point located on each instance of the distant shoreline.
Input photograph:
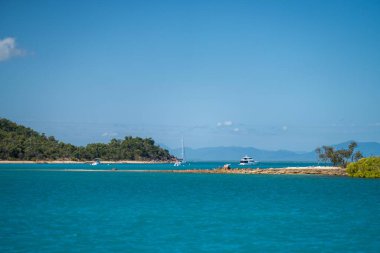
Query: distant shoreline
(318, 170)
(81, 162)
(314, 170)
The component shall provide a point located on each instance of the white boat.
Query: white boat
(182, 160)
(246, 160)
(178, 163)
(96, 162)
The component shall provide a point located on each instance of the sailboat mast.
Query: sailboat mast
(183, 151)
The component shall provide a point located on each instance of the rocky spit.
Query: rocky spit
(329, 171)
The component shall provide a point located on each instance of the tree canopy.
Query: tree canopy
(366, 167)
(21, 143)
(339, 157)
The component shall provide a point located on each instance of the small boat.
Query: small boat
(246, 160)
(178, 162)
(96, 162)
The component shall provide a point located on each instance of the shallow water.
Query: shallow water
(164, 166)
(55, 211)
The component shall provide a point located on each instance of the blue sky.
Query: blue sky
(269, 74)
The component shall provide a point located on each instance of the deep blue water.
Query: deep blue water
(57, 211)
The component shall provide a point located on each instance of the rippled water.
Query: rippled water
(56, 211)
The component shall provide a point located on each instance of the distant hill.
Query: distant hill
(21, 143)
(235, 153)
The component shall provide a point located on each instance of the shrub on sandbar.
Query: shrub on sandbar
(365, 167)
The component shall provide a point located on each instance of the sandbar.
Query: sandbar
(319, 170)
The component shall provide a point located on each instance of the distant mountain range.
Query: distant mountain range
(235, 153)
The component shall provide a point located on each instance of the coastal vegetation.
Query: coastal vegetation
(21, 143)
(366, 167)
(339, 157)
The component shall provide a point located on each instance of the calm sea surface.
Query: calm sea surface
(188, 165)
(45, 209)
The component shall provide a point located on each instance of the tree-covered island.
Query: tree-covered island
(22, 143)
(355, 164)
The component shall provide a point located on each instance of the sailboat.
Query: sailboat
(181, 161)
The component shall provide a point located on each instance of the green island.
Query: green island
(20, 143)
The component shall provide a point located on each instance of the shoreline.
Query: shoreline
(310, 170)
(321, 171)
(81, 162)
(328, 171)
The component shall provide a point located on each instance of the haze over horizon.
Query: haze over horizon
(273, 75)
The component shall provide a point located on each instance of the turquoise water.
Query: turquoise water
(188, 165)
(57, 211)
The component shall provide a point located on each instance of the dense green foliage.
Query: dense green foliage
(22, 143)
(365, 167)
(339, 157)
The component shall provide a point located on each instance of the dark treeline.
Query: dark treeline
(21, 143)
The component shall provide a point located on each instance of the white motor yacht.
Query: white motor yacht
(246, 160)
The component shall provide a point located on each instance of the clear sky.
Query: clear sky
(269, 74)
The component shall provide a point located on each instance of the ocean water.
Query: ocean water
(164, 166)
(60, 211)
